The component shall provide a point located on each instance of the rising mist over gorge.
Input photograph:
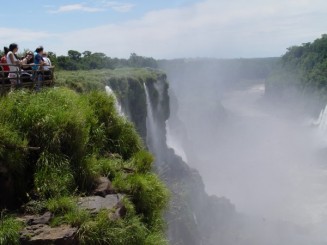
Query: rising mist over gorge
(262, 156)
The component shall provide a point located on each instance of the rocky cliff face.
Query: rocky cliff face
(193, 217)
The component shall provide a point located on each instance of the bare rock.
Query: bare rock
(94, 204)
(103, 187)
(36, 219)
(120, 212)
(41, 234)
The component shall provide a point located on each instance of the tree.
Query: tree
(87, 53)
(74, 55)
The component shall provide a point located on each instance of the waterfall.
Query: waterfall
(321, 125)
(322, 121)
(153, 137)
(117, 104)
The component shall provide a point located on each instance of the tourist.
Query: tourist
(46, 66)
(38, 60)
(47, 61)
(5, 68)
(38, 66)
(28, 61)
(13, 63)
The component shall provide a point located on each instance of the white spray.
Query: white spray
(117, 104)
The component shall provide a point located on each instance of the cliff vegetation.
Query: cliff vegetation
(54, 146)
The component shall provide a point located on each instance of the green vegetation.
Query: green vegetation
(127, 84)
(9, 230)
(104, 230)
(56, 143)
(87, 60)
(303, 69)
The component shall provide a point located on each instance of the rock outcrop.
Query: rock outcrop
(37, 231)
(103, 187)
(41, 234)
(94, 204)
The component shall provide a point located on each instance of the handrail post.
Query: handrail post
(19, 72)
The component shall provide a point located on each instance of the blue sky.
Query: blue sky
(164, 28)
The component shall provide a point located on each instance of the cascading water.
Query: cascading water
(322, 121)
(153, 139)
(117, 104)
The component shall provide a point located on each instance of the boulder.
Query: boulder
(103, 187)
(36, 219)
(118, 213)
(94, 204)
(41, 234)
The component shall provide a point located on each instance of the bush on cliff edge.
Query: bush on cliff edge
(55, 143)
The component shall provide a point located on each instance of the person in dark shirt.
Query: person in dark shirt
(38, 60)
(28, 61)
(38, 66)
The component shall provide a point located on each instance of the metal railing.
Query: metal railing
(28, 78)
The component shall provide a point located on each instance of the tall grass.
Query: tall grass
(55, 144)
(9, 230)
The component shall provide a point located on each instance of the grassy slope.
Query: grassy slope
(96, 79)
(81, 137)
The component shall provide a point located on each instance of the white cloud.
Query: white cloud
(209, 29)
(23, 35)
(75, 7)
(26, 39)
(119, 7)
(93, 7)
(123, 8)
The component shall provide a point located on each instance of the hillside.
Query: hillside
(60, 151)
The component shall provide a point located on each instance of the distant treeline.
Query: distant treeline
(302, 69)
(74, 60)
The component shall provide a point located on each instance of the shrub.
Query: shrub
(67, 212)
(53, 176)
(9, 231)
(148, 194)
(79, 138)
(121, 136)
(143, 161)
(61, 205)
(108, 167)
(102, 230)
(12, 149)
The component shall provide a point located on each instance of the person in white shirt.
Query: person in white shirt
(47, 61)
(13, 64)
(46, 66)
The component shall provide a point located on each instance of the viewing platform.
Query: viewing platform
(32, 79)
